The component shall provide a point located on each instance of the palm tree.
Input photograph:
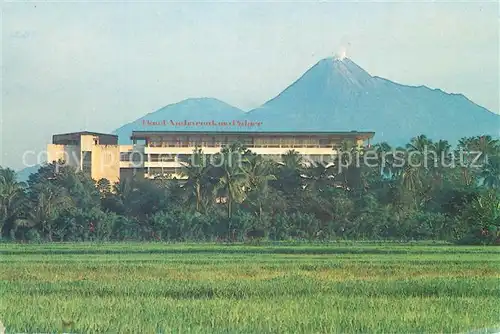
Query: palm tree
(320, 175)
(12, 197)
(197, 172)
(420, 144)
(487, 146)
(232, 178)
(385, 159)
(465, 145)
(347, 154)
(443, 156)
(258, 172)
(411, 175)
(475, 153)
(292, 160)
(491, 173)
(289, 173)
(120, 200)
(49, 201)
(411, 178)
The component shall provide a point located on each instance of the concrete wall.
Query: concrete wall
(70, 154)
(106, 162)
(86, 142)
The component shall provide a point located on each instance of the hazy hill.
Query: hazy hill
(193, 109)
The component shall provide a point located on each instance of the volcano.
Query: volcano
(338, 95)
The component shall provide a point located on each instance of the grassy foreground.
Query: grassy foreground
(200, 288)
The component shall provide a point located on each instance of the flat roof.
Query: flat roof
(79, 133)
(363, 134)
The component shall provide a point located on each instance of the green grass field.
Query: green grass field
(200, 288)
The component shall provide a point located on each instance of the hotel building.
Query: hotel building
(160, 153)
(96, 154)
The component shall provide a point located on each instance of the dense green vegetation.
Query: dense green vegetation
(287, 288)
(426, 190)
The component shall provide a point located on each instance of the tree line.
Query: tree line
(405, 193)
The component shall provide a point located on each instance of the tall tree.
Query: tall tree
(289, 173)
(420, 143)
(232, 178)
(385, 159)
(12, 199)
(486, 146)
(349, 164)
(197, 170)
(441, 161)
(259, 172)
(104, 187)
(48, 201)
(490, 173)
(465, 156)
(319, 176)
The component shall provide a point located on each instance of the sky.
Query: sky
(97, 65)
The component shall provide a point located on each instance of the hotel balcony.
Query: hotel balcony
(267, 150)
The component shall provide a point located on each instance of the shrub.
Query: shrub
(32, 235)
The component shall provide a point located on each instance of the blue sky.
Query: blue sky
(95, 66)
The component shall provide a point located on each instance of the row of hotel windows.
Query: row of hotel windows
(164, 171)
(246, 141)
(129, 156)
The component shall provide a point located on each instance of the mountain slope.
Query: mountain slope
(24, 174)
(193, 109)
(338, 95)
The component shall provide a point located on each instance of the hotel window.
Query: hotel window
(210, 142)
(159, 171)
(219, 141)
(168, 142)
(274, 142)
(181, 141)
(162, 158)
(155, 142)
(299, 142)
(195, 141)
(324, 142)
(310, 142)
(287, 142)
(168, 157)
(125, 156)
(246, 141)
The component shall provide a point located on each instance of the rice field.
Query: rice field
(210, 288)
